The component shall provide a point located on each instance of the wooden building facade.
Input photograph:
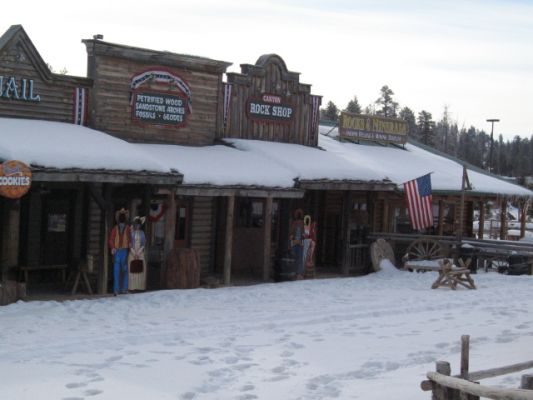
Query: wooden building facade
(147, 96)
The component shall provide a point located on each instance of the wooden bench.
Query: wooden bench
(26, 269)
(449, 276)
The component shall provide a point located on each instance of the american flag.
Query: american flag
(418, 192)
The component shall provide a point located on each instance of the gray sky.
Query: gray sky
(475, 56)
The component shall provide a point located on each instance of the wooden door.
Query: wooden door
(56, 228)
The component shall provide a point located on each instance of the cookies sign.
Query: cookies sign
(15, 179)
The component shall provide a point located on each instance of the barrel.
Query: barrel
(182, 270)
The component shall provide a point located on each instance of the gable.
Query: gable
(28, 89)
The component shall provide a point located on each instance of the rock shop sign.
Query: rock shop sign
(270, 109)
(15, 179)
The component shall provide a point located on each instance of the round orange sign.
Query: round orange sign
(15, 179)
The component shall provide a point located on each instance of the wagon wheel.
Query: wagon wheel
(425, 249)
(380, 250)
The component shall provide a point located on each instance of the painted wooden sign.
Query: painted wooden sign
(169, 104)
(372, 128)
(14, 88)
(159, 108)
(270, 108)
(15, 179)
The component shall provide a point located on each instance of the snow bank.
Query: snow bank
(370, 338)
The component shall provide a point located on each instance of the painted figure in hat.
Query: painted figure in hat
(119, 243)
(136, 261)
(296, 241)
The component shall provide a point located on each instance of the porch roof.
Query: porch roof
(403, 164)
(66, 152)
(265, 166)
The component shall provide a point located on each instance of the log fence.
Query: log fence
(465, 386)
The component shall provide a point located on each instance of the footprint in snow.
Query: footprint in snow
(247, 388)
(114, 358)
(93, 392)
(75, 385)
(188, 396)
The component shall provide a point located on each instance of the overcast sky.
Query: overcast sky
(475, 56)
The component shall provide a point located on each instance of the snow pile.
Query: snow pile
(387, 268)
(367, 338)
(62, 145)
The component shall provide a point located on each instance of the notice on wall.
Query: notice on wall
(159, 108)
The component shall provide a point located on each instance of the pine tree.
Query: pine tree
(387, 104)
(331, 113)
(409, 116)
(426, 127)
(353, 106)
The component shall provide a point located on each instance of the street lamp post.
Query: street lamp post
(491, 141)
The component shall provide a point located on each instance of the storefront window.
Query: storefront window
(250, 213)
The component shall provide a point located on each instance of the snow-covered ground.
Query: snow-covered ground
(371, 337)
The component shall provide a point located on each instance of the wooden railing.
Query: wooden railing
(465, 385)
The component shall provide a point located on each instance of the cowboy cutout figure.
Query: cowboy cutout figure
(119, 243)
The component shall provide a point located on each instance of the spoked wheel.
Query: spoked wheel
(425, 249)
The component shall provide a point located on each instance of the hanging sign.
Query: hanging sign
(269, 108)
(15, 179)
(372, 128)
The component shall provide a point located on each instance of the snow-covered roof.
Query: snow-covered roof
(67, 146)
(308, 163)
(401, 165)
(221, 165)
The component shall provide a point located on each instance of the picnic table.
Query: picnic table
(449, 274)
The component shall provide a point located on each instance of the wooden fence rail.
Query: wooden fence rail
(465, 385)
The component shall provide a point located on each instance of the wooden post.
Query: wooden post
(526, 382)
(228, 248)
(441, 392)
(441, 218)
(523, 213)
(385, 224)
(481, 228)
(267, 239)
(465, 356)
(503, 220)
(107, 215)
(346, 212)
(170, 223)
(9, 247)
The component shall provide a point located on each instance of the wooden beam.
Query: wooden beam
(267, 257)
(346, 185)
(385, 222)
(211, 191)
(228, 248)
(122, 177)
